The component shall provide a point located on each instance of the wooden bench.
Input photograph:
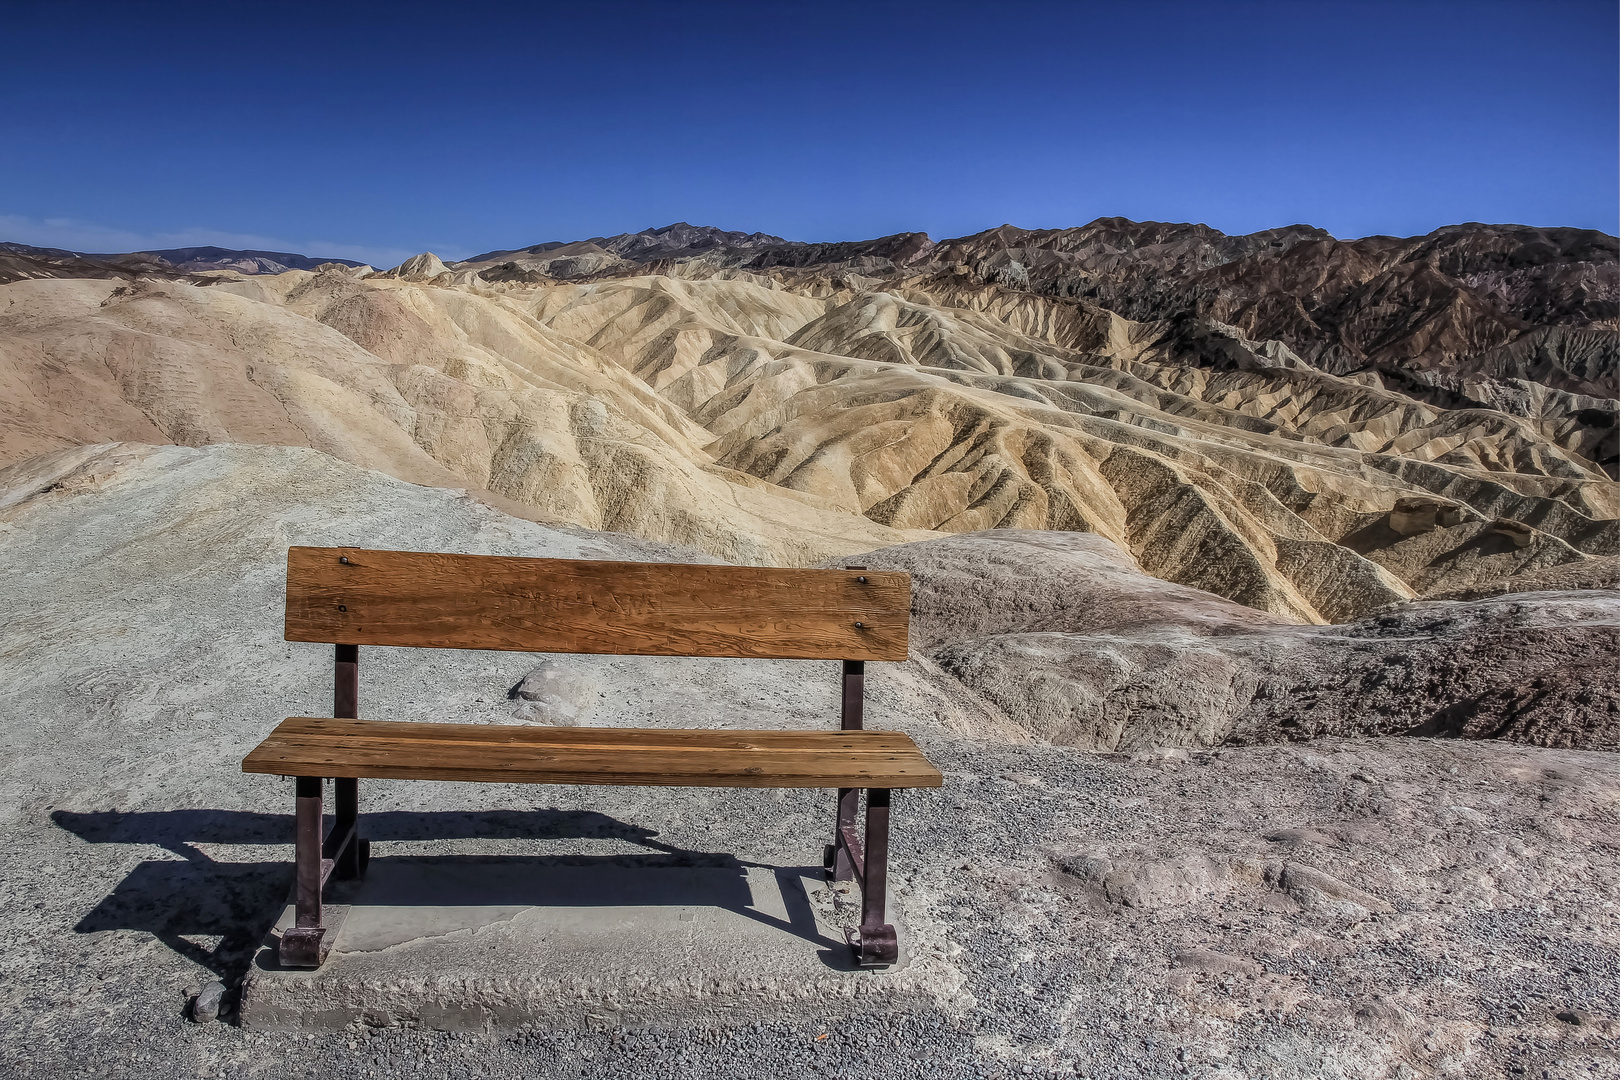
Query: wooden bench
(350, 597)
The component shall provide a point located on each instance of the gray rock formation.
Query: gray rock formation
(1074, 644)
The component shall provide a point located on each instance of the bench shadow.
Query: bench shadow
(427, 896)
(198, 897)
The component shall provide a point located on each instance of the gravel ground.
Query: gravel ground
(1115, 917)
(1336, 908)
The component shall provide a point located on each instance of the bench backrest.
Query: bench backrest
(352, 596)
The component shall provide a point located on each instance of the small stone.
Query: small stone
(205, 1006)
(1569, 1018)
(556, 694)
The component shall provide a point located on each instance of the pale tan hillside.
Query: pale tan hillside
(454, 390)
(793, 417)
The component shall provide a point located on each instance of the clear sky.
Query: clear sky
(375, 131)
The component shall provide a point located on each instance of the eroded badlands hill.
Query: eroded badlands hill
(772, 402)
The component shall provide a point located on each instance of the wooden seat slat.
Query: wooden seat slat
(606, 737)
(636, 756)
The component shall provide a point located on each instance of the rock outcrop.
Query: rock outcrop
(1067, 639)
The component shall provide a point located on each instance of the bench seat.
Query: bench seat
(502, 753)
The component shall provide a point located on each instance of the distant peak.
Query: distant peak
(423, 267)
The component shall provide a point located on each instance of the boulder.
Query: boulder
(1415, 516)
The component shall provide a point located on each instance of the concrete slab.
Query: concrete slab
(502, 943)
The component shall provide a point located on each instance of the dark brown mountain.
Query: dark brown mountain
(19, 261)
(193, 259)
(678, 241)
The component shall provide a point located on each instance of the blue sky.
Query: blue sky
(375, 131)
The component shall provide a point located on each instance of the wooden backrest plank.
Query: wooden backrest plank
(354, 596)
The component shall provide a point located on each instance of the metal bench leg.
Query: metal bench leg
(875, 944)
(353, 854)
(836, 858)
(303, 944)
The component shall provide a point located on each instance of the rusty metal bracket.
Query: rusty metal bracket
(849, 846)
(847, 858)
(853, 712)
(346, 681)
(317, 859)
(304, 947)
(874, 947)
(351, 855)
